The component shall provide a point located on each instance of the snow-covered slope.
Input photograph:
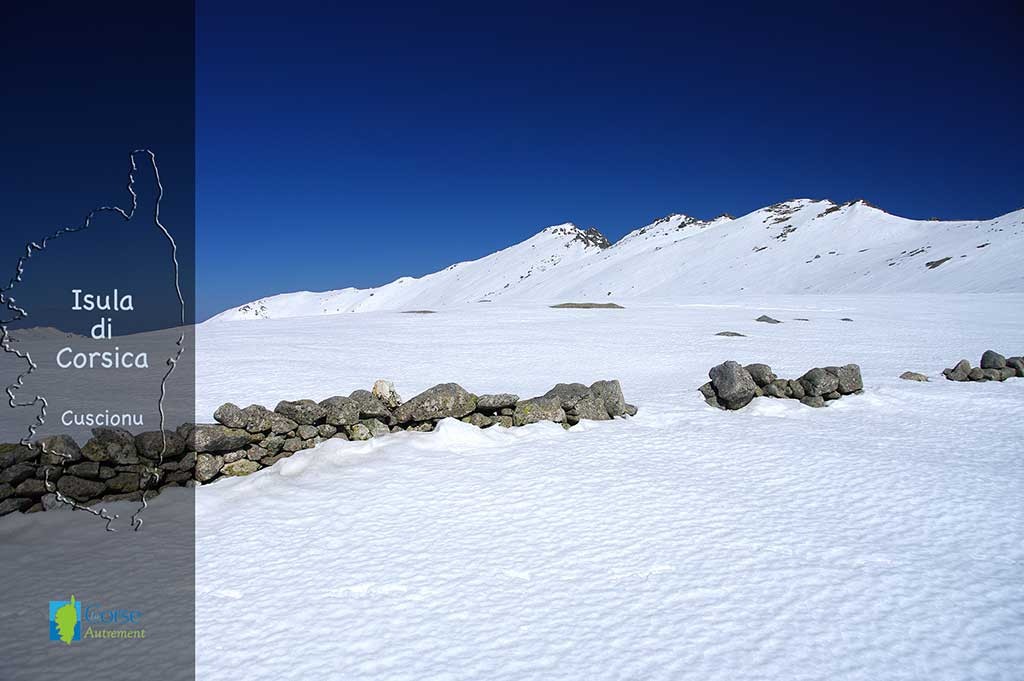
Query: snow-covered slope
(799, 246)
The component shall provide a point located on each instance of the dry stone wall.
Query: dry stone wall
(115, 465)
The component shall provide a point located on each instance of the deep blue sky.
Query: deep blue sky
(343, 146)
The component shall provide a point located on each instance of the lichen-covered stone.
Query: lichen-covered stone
(496, 402)
(537, 409)
(258, 419)
(151, 444)
(60, 450)
(230, 415)
(306, 432)
(441, 401)
(818, 382)
(217, 438)
(340, 411)
(478, 420)
(208, 466)
(358, 431)
(370, 407)
(115, 445)
(303, 412)
(240, 467)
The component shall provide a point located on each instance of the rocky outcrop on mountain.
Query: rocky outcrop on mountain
(115, 465)
(993, 367)
(733, 386)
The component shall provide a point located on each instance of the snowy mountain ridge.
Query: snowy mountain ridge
(798, 246)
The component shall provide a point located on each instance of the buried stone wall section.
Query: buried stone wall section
(993, 367)
(734, 386)
(115, 465)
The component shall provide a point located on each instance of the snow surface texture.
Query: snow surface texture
(800, 246)
(879, 538)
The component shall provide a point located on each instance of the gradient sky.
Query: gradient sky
(341, 146)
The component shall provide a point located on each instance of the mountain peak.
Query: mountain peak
(589, 237)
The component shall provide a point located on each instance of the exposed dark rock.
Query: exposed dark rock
(303, 412)
(478, 420)
(538, 409)
(356, 432)
(961, 372)
(14, 504)
(708, 391)
(60, 450)
(306, 432)
(761, 373)
(124, 482)
(344, 411)
(115, 445)
(240, 467)
(733, 385)
(496, 402)
(16, 474)
(850, 380)
(817, 382)
(86, 469)
(259, 419)
(80, 489)
(217, 438)
(31, 489)
(230, 415)
(208, 466)
(992, 360)
(592, 408)
(567, 394)
(370, 407)
(441, 401)
(376, 427)
(151, 444)
(611, 393)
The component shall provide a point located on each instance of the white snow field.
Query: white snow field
(798, 246)
(881, 537)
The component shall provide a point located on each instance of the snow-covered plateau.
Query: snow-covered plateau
(881, 537)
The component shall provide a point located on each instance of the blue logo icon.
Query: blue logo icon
(66, 620)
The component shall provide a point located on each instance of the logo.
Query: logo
(66, 620)
(72, 621)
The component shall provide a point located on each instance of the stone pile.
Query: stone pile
(115, 465)
(994, 367)
(733, 386)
